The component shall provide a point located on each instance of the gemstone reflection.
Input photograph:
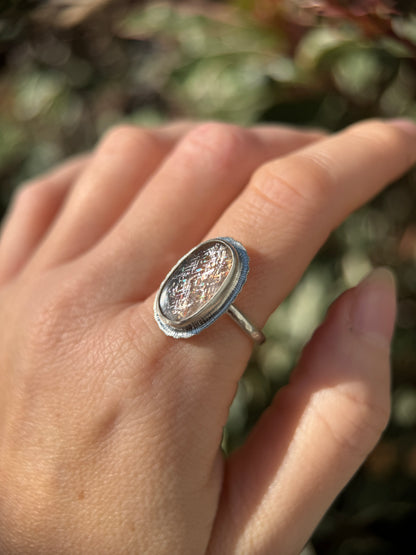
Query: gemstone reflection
(196, 281)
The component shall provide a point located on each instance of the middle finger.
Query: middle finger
(200, 178)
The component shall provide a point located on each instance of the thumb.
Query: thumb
(318, 430)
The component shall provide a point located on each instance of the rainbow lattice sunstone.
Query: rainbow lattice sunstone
(196, 281)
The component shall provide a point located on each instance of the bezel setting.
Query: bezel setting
(218, 304)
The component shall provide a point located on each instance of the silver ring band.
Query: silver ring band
(238, 317)
(201, 287)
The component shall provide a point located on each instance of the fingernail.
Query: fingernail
(373, 309)
(406, 125)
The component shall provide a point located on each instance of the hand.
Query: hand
(110, 431)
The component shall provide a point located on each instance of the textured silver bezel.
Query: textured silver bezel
(219, 303)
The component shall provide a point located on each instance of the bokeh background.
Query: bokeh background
(69, 69)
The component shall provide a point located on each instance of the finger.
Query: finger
(206, 171)
(124, 160)
(317, 432)
(33, 209)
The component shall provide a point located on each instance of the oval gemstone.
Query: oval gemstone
(196, 281)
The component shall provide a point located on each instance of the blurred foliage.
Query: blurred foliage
(69, 69)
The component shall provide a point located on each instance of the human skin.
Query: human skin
(110, 431)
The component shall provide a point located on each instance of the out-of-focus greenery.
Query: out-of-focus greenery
(70, 69)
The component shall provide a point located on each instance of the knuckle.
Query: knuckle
(268, 181)
(376, 131)
(51, 321)
(362, 423)
(320, 180)
(32, 193)
(383, 137)
(278, 188)
(218, 142)
(128, 138)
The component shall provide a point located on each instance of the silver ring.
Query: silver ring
(201, 287)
